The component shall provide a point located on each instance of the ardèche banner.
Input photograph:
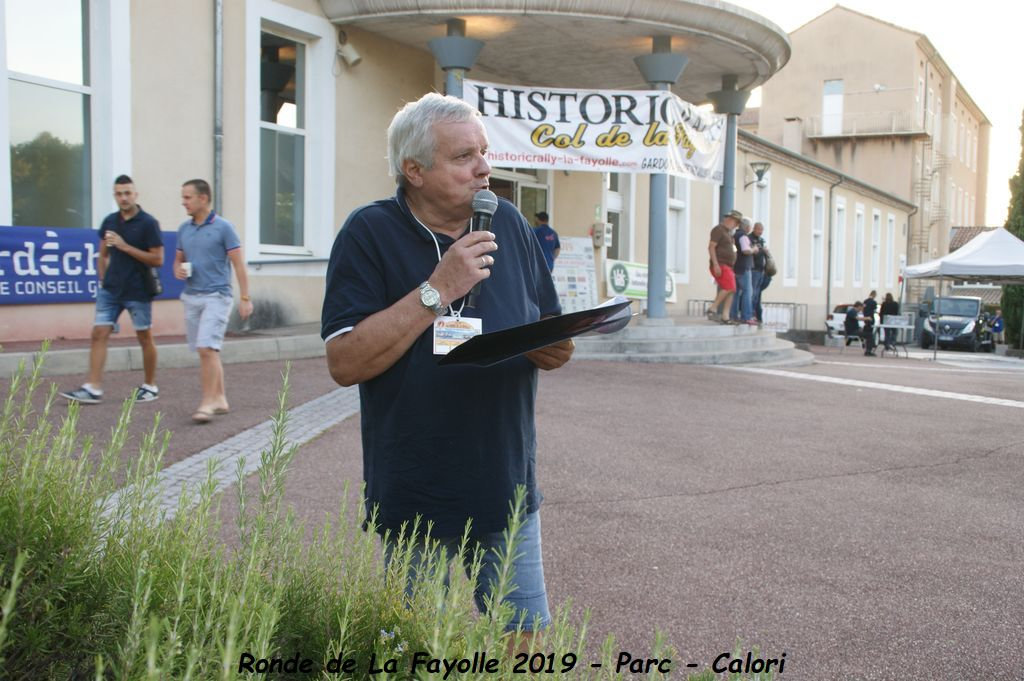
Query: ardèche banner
(622, 131)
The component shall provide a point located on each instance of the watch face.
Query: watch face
(430, 297)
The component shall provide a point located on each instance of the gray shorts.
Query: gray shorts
(206, 319)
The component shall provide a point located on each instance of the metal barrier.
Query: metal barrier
(779, 317)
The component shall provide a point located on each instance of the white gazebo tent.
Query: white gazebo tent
(992, 257)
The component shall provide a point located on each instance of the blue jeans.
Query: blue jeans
(756, 278)
(109, 308)
(528, 593)
(742, 302)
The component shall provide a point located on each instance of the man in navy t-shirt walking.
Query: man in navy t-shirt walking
(130, 244)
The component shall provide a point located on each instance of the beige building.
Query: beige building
(879, 102)
(283, 106)
(295, 142)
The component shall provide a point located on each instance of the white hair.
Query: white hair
(411, 133)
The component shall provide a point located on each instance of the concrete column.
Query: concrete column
(455, 54)
(661, 69)
(731, 102)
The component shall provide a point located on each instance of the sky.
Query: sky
(980, 42)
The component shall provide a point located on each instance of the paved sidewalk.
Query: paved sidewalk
(71, 356)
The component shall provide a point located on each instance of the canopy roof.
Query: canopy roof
(995, 257)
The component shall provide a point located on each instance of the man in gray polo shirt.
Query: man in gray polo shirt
(208, 247)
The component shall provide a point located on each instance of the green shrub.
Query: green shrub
(95, 583)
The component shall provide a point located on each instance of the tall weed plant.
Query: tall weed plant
(96, 582)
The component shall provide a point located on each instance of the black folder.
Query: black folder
(490, 348)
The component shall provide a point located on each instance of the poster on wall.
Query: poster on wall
(629, 279)
(575, 274)
(623, 131)
(58, 265)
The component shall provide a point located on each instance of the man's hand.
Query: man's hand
(716, 270)
(552, 356)
(114, 240)
(463, 265)
(245, 309)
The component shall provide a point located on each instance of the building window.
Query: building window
(963, 144)
(858, 246)
(792, 246)
(817, 237)
(832, 108)
(876, 246)
(678, 246)
(282, 140)
(919, 101)
(952, 138)
(49, 104)
(930, 115)
(617, 208)
(890, 249)
(839, 244)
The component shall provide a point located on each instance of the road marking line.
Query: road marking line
(926, 392)
(860, 365)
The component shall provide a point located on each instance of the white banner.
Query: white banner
(622, 131)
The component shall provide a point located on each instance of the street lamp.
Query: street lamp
(759, 168)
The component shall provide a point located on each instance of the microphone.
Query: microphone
(484, 205)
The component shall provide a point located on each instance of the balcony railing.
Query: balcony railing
(869, 123)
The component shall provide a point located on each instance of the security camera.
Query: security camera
(346, 51)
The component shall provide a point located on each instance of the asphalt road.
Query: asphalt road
(863, 516)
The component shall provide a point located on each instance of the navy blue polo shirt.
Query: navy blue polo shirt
(446, 443)
(123, 278)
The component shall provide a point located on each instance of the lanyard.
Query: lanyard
(437, 246)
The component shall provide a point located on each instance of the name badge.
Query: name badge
(451, 332)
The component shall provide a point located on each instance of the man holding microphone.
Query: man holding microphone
(401, 269)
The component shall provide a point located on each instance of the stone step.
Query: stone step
(591, 344)
(641, 330)
(778, 352)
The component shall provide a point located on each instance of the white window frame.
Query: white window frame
(817, 236)
(680, 234)
(890, 249)
(318, 36)
(839, 243)
(623, 202)
(110, 126)
(973, 217)
(858, 245)
(791, 247)
(918, 103)
(876, 247)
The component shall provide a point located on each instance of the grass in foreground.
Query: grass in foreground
(95, 583)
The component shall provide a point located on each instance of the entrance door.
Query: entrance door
(529, 193)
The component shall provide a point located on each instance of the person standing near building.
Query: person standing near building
(399, 267)
(758, 281)
(997, 327)
(889, 309)
(130, 244)
(722, 252)
(208, 247)
(548, 239)
(742, 303)
(870, 308)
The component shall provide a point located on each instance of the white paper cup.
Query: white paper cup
(187, 266)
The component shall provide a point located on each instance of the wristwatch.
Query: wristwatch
(431, 299)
